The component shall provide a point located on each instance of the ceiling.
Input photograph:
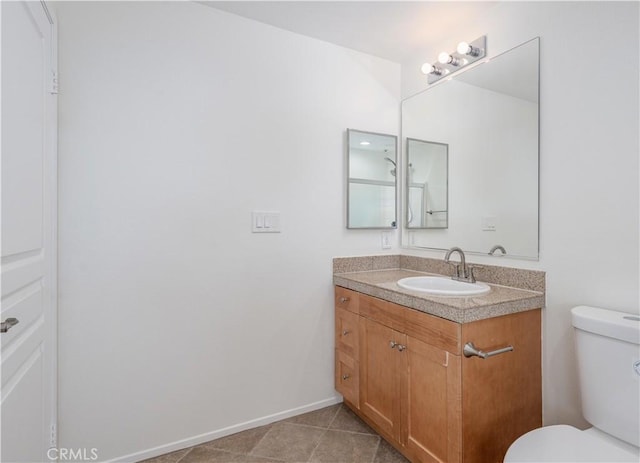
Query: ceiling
(393, 30)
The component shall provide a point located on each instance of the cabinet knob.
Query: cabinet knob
(345, 332)
(401, 347)
(393, 344)
(345, 377)
(345, 299)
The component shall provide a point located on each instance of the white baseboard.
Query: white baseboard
(206, 437)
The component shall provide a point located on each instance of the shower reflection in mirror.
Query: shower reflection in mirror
(371, 180)
(427, 184)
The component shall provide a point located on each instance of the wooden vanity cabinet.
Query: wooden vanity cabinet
(421, 394)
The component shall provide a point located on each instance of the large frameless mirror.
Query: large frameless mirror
(487, 119)
(371, 180)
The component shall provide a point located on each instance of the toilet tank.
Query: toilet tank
(608, 354)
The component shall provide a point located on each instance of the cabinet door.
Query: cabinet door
(431, 409)
(381, 367)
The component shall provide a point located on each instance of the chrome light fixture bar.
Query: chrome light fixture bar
(448, 63)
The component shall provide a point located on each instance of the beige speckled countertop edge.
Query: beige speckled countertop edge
(500, 301)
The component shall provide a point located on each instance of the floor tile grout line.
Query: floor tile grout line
(185, 454)
(335, 416)
(251, 454)
(375, 454)
(317, 444)
(347, 432)
(333, 429)
(304, 425)
(244, 454)
(354, 432)
(261, 439)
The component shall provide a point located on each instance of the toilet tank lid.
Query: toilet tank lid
(605, 322)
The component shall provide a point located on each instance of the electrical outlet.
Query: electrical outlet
(488, 223)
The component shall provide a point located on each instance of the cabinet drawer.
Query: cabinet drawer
(383, 312)
(347, 299)
(347, 378)
(347, 333)
(435, 331)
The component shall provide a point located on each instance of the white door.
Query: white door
(28, 240)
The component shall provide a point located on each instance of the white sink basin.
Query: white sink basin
(440, 286)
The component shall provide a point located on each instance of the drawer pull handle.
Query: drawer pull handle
(345, 332)
(472, 351)
(345, 377)
(345, 299)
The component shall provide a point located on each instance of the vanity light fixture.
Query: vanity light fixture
(365, 143)
(465, 49)
(446, 58)
(465, 54)
(428, 68)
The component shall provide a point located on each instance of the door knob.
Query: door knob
(7, 324)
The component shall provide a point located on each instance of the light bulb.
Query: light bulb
(444, 57)
(427, 68)
(463, 48)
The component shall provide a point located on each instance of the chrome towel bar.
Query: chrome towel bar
(472, 351)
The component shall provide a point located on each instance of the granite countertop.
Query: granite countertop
(501, 300)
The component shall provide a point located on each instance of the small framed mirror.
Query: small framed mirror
(371, 179)
(427, 184)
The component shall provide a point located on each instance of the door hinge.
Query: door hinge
(53, 435)
(54, 82)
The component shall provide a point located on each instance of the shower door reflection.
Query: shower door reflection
(371, 180)
(427, 184)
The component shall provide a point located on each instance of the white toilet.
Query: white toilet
(608, 354)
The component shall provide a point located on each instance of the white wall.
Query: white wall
(176, 121)
(588, 159)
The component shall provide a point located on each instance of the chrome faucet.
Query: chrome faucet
(463, 272)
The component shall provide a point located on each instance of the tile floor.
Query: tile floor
(329, 435)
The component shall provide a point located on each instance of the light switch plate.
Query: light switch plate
(265, 222)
